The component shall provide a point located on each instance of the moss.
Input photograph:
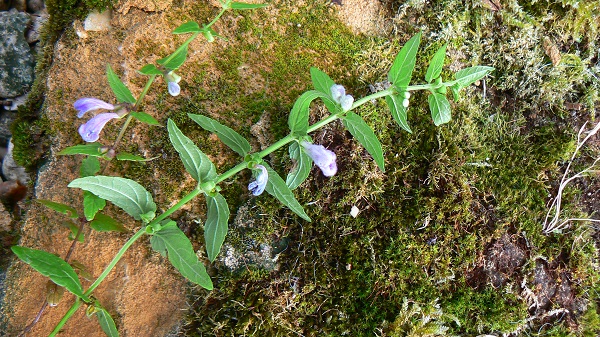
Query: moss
(27, 130)
(447, 194)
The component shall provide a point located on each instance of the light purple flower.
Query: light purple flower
(258, 186)
(172, 83)
(90, 131)
(338, 93)
(86, 104)
(323, 158)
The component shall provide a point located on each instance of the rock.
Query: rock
(33, 34)
(6, 118)
(20, 5)
(16, 60)
(15, 102)
(5, 219)
(11, 170)
(11, 192)
(35, 6)
(97, 22)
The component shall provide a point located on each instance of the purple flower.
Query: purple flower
(258, 186)
(90, 131)
(172, 83)
(86, 104)
(339, 95)
(323, 158)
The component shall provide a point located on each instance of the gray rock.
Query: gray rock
(33, 34)
(11, 170)
(6, 118)
(16, 60)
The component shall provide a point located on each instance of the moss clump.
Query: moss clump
(28, 132)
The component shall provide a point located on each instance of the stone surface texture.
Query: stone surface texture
(16, 60)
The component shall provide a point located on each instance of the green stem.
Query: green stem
(115, 260)
(215, 19)
(177, 206)
(66, 317)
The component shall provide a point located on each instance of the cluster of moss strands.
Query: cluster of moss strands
(447, 192)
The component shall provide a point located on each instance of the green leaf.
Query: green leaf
(124, 193)
(455, 92)
(298, 120)
(61, 208)
(181, 254)
(51, 266)
(106, 322)
(323, 83)
(175, 60)
(217, 220)
(404, 64)
(92, 149)
(104, 223)
(188, 27)
(195, 162)
(398, 110)
(301, 169)
(242, 5)
(437, 63)
(92, 204)
(365, 135)
(227, 135)
(144, 118)
(277, 188)
(468, 76)
(440, 108)
(74, 230)
(89, 166)
(121, 91)
(131, 157)
(150, 69)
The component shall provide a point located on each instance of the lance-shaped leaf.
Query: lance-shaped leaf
(150, 69)
(398, 110)
(365, 135)
(437, 63)
(302, 167)
(121, 91)
(217, 220)
(132, 157)
(51, 266)
(92, 204)
(61, 208)
(227, 135)
(277, 188)
(106, 322)
(195, 162)
(242, 5)
(175, 60)
(144, 118)
(188, 27)
(74, 230)
(467, 76)
(181, 254)
(323, 83)
(124, 193)
(298, 120)
(440, 108)
(89, 166)
(92, 149)
(404, 64)
(104, 223)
